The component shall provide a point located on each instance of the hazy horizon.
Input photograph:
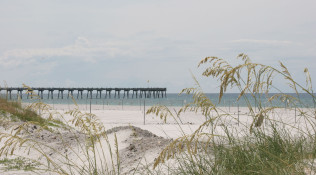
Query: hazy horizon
(126, 43)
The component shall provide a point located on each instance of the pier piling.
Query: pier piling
(136, 92)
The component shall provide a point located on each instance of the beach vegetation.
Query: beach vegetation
(70, 143)
(16, 164)
(16, 112)
(265, 145)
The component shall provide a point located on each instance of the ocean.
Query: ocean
(172, 99)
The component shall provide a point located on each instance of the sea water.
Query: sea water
(172, 99)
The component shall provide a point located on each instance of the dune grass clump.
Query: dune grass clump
(70, 143)
(16, 112)
(258, 153)
(16, 164)
(266, 145)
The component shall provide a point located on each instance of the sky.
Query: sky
(149, 43)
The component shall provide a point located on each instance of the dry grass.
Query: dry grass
(76, 145)
(254, 81)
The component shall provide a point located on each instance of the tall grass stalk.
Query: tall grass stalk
(266, 145)
(73, 144)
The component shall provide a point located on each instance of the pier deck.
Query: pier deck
(108, 92)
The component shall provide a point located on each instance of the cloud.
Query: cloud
(82, 48)
(95, 50)
(267, 42)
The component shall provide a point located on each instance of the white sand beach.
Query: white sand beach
(113, 116)
(142, 137)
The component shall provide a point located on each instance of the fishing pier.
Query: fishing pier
(89, 92)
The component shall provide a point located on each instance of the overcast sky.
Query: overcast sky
(124, 43)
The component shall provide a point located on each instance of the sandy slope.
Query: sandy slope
(139, 143)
